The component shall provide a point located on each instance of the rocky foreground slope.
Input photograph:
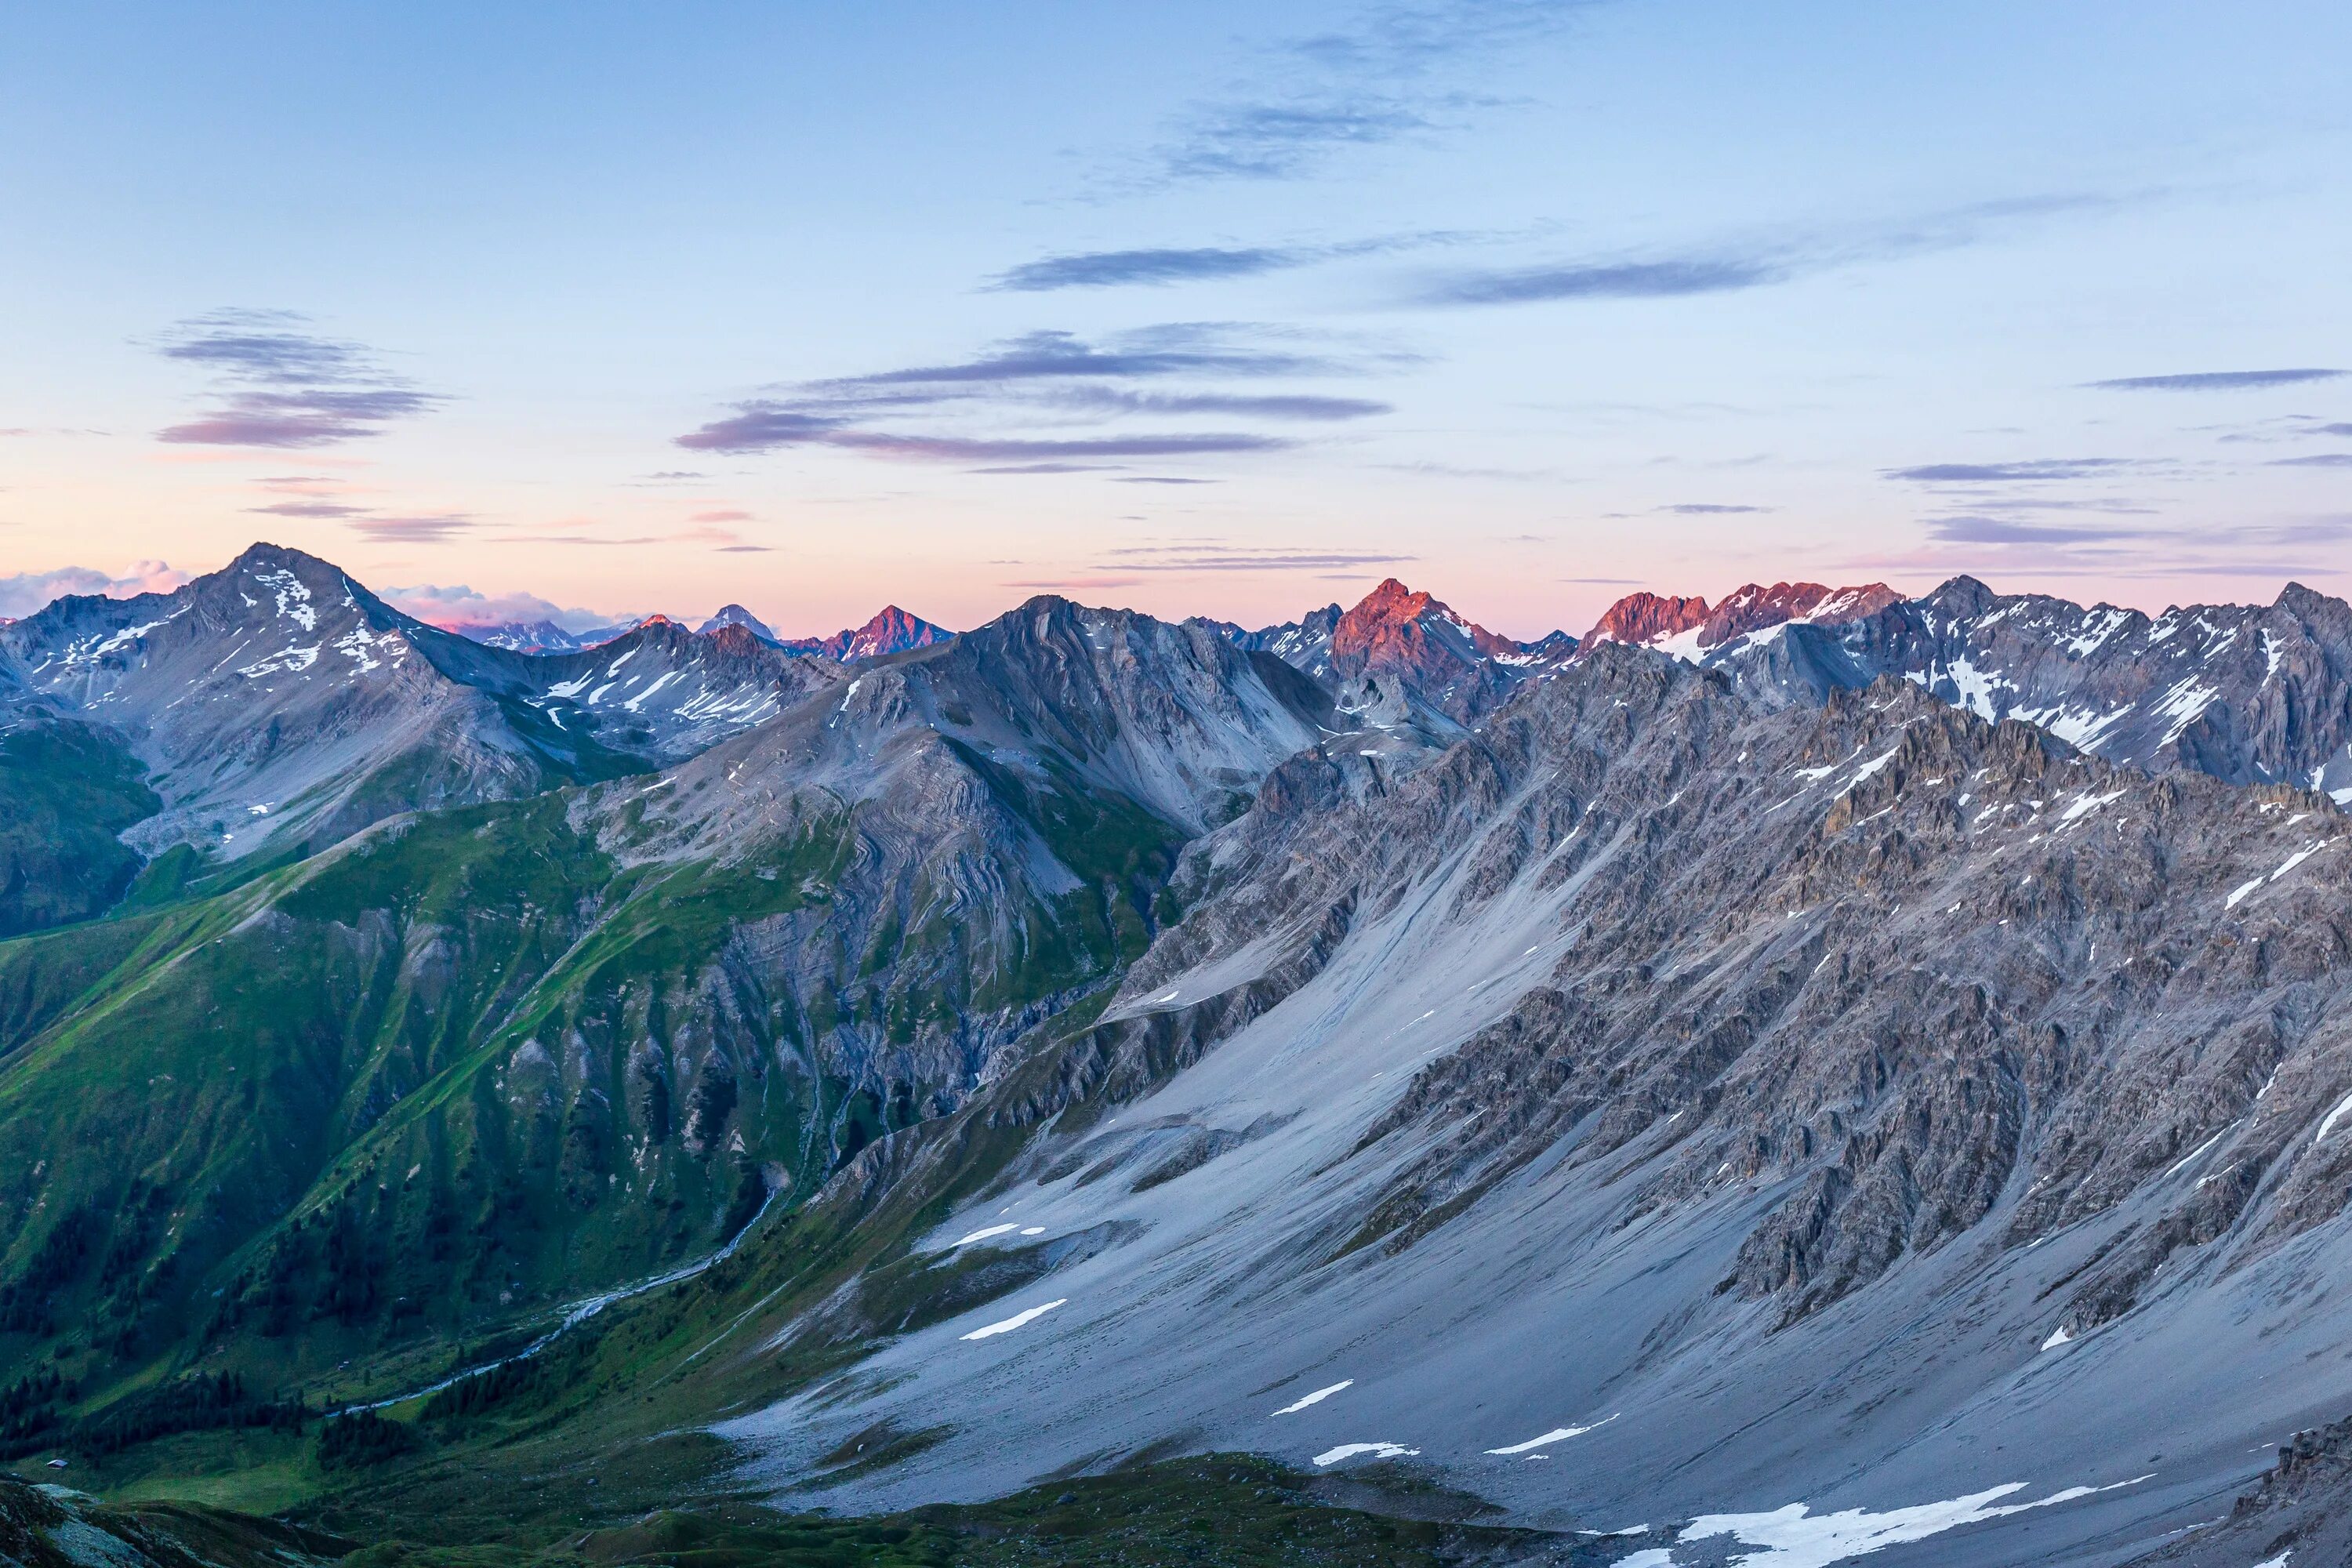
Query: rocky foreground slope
(55, 1527)
(1671, 1107)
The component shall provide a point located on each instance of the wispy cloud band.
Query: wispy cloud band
(277, 383)
(1056, 378)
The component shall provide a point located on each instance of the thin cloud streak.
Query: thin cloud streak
(2035, 471)
(1271, 406)
(315, 509)
(1181, 559)
(1276, 141)
(1114, 268)
(1612, 280)
(767, 427)
(1981, 530)
(424, 530)
(1992, 545)
(1164, 267)
(1182, 349)
(1390, 73)
(1732, 267)
(2216, 381)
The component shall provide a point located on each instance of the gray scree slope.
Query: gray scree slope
(1865, 1106)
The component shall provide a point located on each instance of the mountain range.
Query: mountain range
(1764, 1081)
(892, 630)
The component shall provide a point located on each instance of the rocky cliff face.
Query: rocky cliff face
(2245, 693)
(1647, 619)
(1304, 644)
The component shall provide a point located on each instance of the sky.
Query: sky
(1234, 310)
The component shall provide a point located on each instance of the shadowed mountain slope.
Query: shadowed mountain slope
(473, 1063)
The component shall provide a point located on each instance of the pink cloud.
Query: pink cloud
(457, 605)
(27, 592)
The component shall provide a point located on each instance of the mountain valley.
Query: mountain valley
(1775, 1077)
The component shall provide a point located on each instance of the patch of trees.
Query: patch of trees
(118, 1237)
(362, 1439)
(329, 1263)
(33, 1418)
(484, 1391)
(30, 1419)
(203, 1402)
(27, 1302)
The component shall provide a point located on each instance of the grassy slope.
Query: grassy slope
(588, 1455)
(604, 1423)
(350, 1132)
(1217, 1508)
(1234, 1510)
(66, 791)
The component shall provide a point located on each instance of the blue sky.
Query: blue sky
(1214, 308)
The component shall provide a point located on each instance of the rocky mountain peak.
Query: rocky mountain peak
(1687, 627)
(892, 630)
(1304, 644)
(262, 555)
(520, 637)
(733, 638)
(1962, 595)
(2306, 603)
(1754, 607)
(1647, 618)
(737, 616)
(1401, 646)
(1391, 601)
(1395, 628)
